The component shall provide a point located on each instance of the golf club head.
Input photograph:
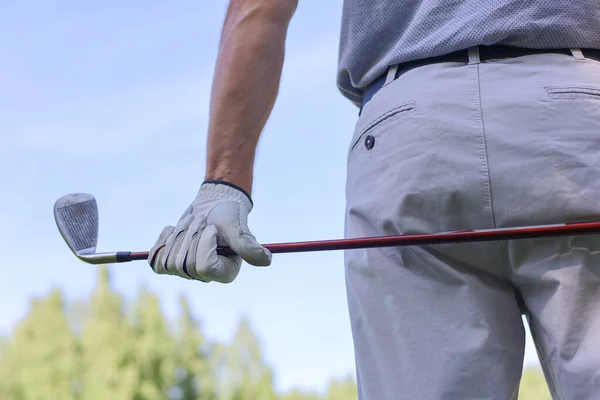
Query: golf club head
(76, 217)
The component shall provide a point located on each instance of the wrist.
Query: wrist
(238, 174)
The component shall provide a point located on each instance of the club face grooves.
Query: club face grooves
(76, 217)
(78, 224)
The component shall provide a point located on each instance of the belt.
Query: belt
(485, 53)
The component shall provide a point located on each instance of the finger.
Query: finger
(185, 258)
(191, 261)
(157, 251)
(235, 234)
(250, 250)
(209, 264)
(173, 244)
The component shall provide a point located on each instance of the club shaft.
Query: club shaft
(575, 229)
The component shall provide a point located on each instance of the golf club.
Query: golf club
(76, 217)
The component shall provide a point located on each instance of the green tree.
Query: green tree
(155, 349)
(297, 394)
(109, 359)
(3, 347)
(342, 389)
(4, 375)
(241, 370)
(533, 385)
(41, 361)
(194, 373)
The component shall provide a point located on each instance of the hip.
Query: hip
(482, 145)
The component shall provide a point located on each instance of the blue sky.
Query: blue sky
(111, 98)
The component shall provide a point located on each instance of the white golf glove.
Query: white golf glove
(217, 217)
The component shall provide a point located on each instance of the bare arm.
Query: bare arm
(245, 85)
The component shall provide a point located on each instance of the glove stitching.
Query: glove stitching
(217, 195)
(226, 183)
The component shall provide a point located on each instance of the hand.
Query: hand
(217, 217)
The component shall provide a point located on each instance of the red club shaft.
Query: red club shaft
(583, 228)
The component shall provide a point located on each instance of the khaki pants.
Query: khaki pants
(454, 146)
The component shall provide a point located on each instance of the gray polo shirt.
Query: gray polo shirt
(379, 33)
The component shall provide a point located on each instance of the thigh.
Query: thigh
(428, 322)
(559, 280)
(424, 328)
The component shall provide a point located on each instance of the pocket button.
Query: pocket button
(369, 142)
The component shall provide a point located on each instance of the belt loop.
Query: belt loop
(474, 55)
(391, 75)
(578, 54)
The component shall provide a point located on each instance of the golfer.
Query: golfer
(472, 114)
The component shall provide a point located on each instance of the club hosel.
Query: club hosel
(102, 258)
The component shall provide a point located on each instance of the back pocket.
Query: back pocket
(391, 115)
(573, 92)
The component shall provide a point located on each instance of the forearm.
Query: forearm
(245, 86)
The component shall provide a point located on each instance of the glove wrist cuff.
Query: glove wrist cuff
(221, 187)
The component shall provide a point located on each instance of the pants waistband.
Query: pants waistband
(484, 53)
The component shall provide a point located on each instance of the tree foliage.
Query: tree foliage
(533, 385)
(194, 378)
(110, 369)
(41, 361)
(97, 348)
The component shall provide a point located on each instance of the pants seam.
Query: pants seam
(483, 153)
